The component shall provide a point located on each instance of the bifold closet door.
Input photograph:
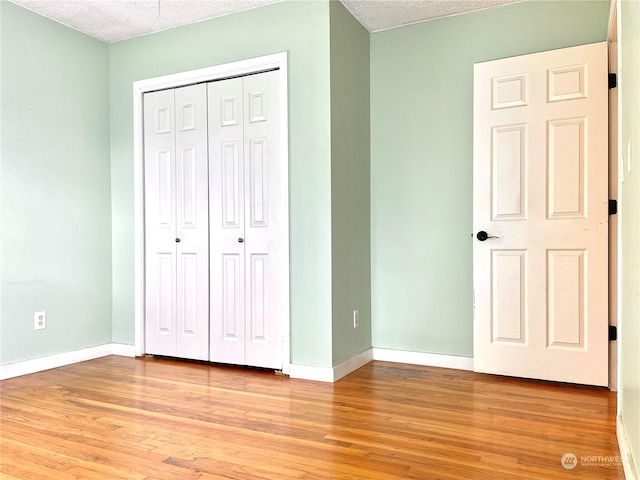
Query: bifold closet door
(247, 221)
(176, 223)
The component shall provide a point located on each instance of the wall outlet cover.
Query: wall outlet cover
(40, 320)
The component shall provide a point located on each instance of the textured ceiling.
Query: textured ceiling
(378, 15)
(114, 20)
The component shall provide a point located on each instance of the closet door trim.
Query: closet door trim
(218, 72)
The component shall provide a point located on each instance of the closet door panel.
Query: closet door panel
(232, 301)
(266, 260)
(227, 220)
(160, 223)
(192, 223)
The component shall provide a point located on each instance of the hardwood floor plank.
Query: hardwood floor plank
(161, 419)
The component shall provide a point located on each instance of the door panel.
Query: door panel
(266, 259)
(230, 179)
(258, 179)
(188, 268)
(188, 188)
(566, 168)
(232, 297)
(509, 167)
(192, 219)
(509, 313)
(247, 223)
(259, 302)
(226, 210)
(160, 223)
(540, 189)
(164, 185)
(176, 223)
(163, 289)
(566, 298)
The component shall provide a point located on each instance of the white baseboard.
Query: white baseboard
(333, 374)
(303, 372)
(35, 365)
(421, 358)
(630, 472)
(123, 350)
(311, 372)
(330, 374)
(345, 368)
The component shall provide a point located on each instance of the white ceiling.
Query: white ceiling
(115, 20)
(378, 15)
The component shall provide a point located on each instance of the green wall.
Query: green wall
(55, 187)
(421, 162)
(350, 199)
(629, 195)
(302, 29)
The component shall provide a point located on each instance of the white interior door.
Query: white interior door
(248, 206)
(540, 194)
(176, 223)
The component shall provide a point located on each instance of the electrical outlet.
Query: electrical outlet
(356, 318)
(40, 319)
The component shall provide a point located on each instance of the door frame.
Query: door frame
(243, 67)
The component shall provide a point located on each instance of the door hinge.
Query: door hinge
(613, 333)
(613, 207)
(613, 80)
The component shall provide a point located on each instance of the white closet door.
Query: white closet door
(160, 223)
(265, 222)
(226, 210)
(248, 222)
(176, 223)
(192, 223)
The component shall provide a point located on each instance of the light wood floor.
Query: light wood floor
(152, 419)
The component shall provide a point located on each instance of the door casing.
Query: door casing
(243, 67)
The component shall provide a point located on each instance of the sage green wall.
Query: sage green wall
(350, 200)
(421, 163)
(629, 360)
(302, 29)
(55, 187)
